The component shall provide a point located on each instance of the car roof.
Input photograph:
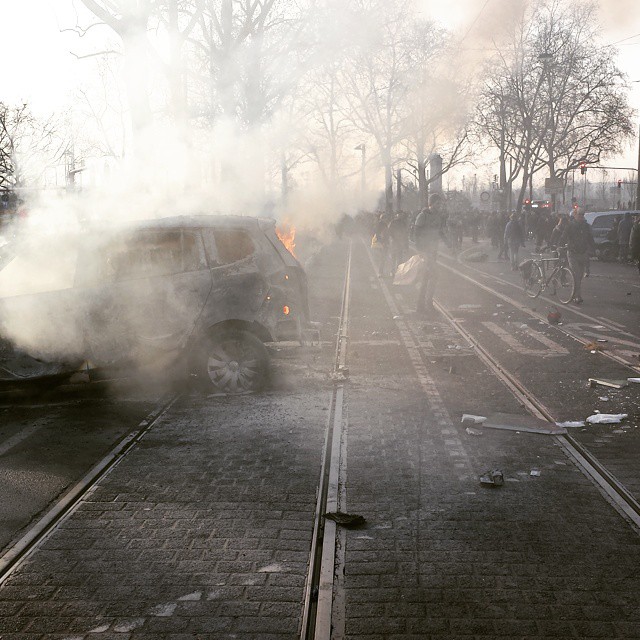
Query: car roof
(194, 222)
(590, 216)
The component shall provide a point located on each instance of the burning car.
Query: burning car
(204, 293)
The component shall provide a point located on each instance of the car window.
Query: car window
(144, 254)
(232, 245)
(603, 222)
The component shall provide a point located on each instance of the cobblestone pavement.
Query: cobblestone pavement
(443, 557)
(203, 530)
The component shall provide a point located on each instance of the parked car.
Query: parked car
(202, 293)
(602, 222)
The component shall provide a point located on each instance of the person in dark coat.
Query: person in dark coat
(429, 229)
(580, 244)
(634, 242)
(399, 238)
(624, 235)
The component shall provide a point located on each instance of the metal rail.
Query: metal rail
(317, 610)
(613, 490)
(19, 550)
(538, 316)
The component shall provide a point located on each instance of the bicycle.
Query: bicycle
(536, 276)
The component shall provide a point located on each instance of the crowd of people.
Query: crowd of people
(392, 234)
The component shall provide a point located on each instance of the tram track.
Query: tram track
(323, 603)
(22, 547)
(614, 492)
(534, 314)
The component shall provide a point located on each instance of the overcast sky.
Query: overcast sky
(40, 68)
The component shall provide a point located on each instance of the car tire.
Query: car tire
(233, 362)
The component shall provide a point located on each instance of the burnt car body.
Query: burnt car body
(198, 293)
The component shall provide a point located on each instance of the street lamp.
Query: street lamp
(546, 58)
(363, 180)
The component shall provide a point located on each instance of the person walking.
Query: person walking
(624, 235)
(514, 239)
(429, 229)
(380, 242)
(634, 242)
(399, 238)
(580, 244)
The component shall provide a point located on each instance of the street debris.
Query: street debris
(571, 424)
(468, 418)
(473, 432)
(602, 340)
(530, 424)
(606, 418)
(603, 398)
(345, 519)
(470, 307)
(554, 316)
(593, 346)
(407, 273)
(535, 472)
(494, 478)
(605, 382)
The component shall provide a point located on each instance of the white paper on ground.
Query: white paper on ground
(606, 418)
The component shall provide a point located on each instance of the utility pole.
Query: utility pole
(638, 178)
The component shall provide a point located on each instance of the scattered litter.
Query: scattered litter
(469, 418)
(535, 472)
(473, 432)
(522, 423)
(397, 317)
(593, 346)
(598, 326)
(603, 398)
(345, 519)
(570, 424)
(554, 316)
(524, 326)
(602, 340)
(193, 597)
(605, 382)
(470, 306)
(636, 380)
(493, 478)
(606, 418)
(499, 305)
(618, 431)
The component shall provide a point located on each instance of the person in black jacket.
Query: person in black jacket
(579, 240)
(429, 229)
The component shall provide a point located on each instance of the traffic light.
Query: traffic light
(583, 168)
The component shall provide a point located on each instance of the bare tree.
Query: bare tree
(28, 146)
(554, 97)
(130, 21)
(376, 80)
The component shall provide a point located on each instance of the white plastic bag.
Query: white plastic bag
(407, 273)
(606, 418)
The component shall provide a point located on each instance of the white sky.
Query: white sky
(41, 70)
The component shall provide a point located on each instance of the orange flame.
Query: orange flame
(287, 234)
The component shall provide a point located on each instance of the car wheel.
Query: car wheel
(233, 362)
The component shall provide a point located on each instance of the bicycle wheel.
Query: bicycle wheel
(565, 285)
(533, 281)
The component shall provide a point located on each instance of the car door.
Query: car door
(155, 283)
